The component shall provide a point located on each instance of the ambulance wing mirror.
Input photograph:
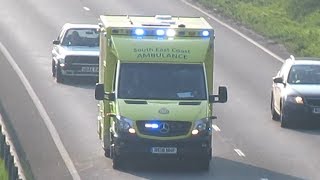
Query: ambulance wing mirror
(100, 94)
(222, 96)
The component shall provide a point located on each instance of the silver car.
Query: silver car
(76, 51)
(295, 96)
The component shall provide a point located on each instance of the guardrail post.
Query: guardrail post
(7, 155)
(14, 173)
(2, 143)
(10, 165)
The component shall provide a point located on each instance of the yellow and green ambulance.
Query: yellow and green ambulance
(156, 89)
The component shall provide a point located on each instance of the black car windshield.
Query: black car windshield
(304, 74)
(88, 37)
(162, 81)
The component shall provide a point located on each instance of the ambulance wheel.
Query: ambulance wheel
(117, 162)
(203, 165)
(106, 146)
(107, 152)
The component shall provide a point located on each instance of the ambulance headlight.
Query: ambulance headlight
(124, 124)
(205, 33)
(200, 125)
(171, 32)
(160, 32)
(139, 32)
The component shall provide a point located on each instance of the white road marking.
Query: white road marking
(239, 152)
(53, 132)
(86, 8)
(264, 179)
(216, 128)
(235, 31)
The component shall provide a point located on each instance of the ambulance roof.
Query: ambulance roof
(154, 21)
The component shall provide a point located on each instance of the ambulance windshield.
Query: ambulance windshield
(162, 81)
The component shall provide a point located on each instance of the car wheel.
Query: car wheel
(275, 116)
(53, 68)
(284, 119)
(59, 76)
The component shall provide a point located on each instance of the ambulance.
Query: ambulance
(155, 91)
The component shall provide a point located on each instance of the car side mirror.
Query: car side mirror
(222, 96)
(56, 42)
(278, 80)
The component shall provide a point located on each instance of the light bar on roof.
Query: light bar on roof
(171, 32)
(162, 32)
(205, 33)
(139, 32)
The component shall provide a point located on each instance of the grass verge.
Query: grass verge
(279, 20)
(3, 171)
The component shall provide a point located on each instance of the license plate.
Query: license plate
(316, 110)
(89, 69)
(164, 150)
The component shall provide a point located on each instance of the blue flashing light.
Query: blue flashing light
(139, 32)
(151, 125)
(205, 33)
(160, 32)
(171, 32)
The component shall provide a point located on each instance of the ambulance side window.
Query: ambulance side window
(114, 78)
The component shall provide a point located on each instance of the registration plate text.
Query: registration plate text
(89, 69)
(164, 150)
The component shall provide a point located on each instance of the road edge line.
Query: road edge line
(52, 130)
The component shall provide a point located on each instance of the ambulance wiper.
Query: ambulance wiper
(135, 102)
(189, 103)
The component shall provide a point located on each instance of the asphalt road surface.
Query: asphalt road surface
(55, 124)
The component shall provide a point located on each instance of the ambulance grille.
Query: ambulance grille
(172, 128)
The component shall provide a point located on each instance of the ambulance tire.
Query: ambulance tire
(117, 162)
(107, 152)
(106, 148)
(203, 165)
(59, 76)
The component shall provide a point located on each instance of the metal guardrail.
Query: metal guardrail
(9, 158)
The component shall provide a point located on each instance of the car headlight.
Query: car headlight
(62, 61)
(201, 125)
(124, 124)
(295, 99)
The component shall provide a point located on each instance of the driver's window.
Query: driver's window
(61, 35)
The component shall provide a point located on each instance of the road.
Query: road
(247, 143)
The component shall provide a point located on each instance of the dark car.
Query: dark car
(295, 95)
